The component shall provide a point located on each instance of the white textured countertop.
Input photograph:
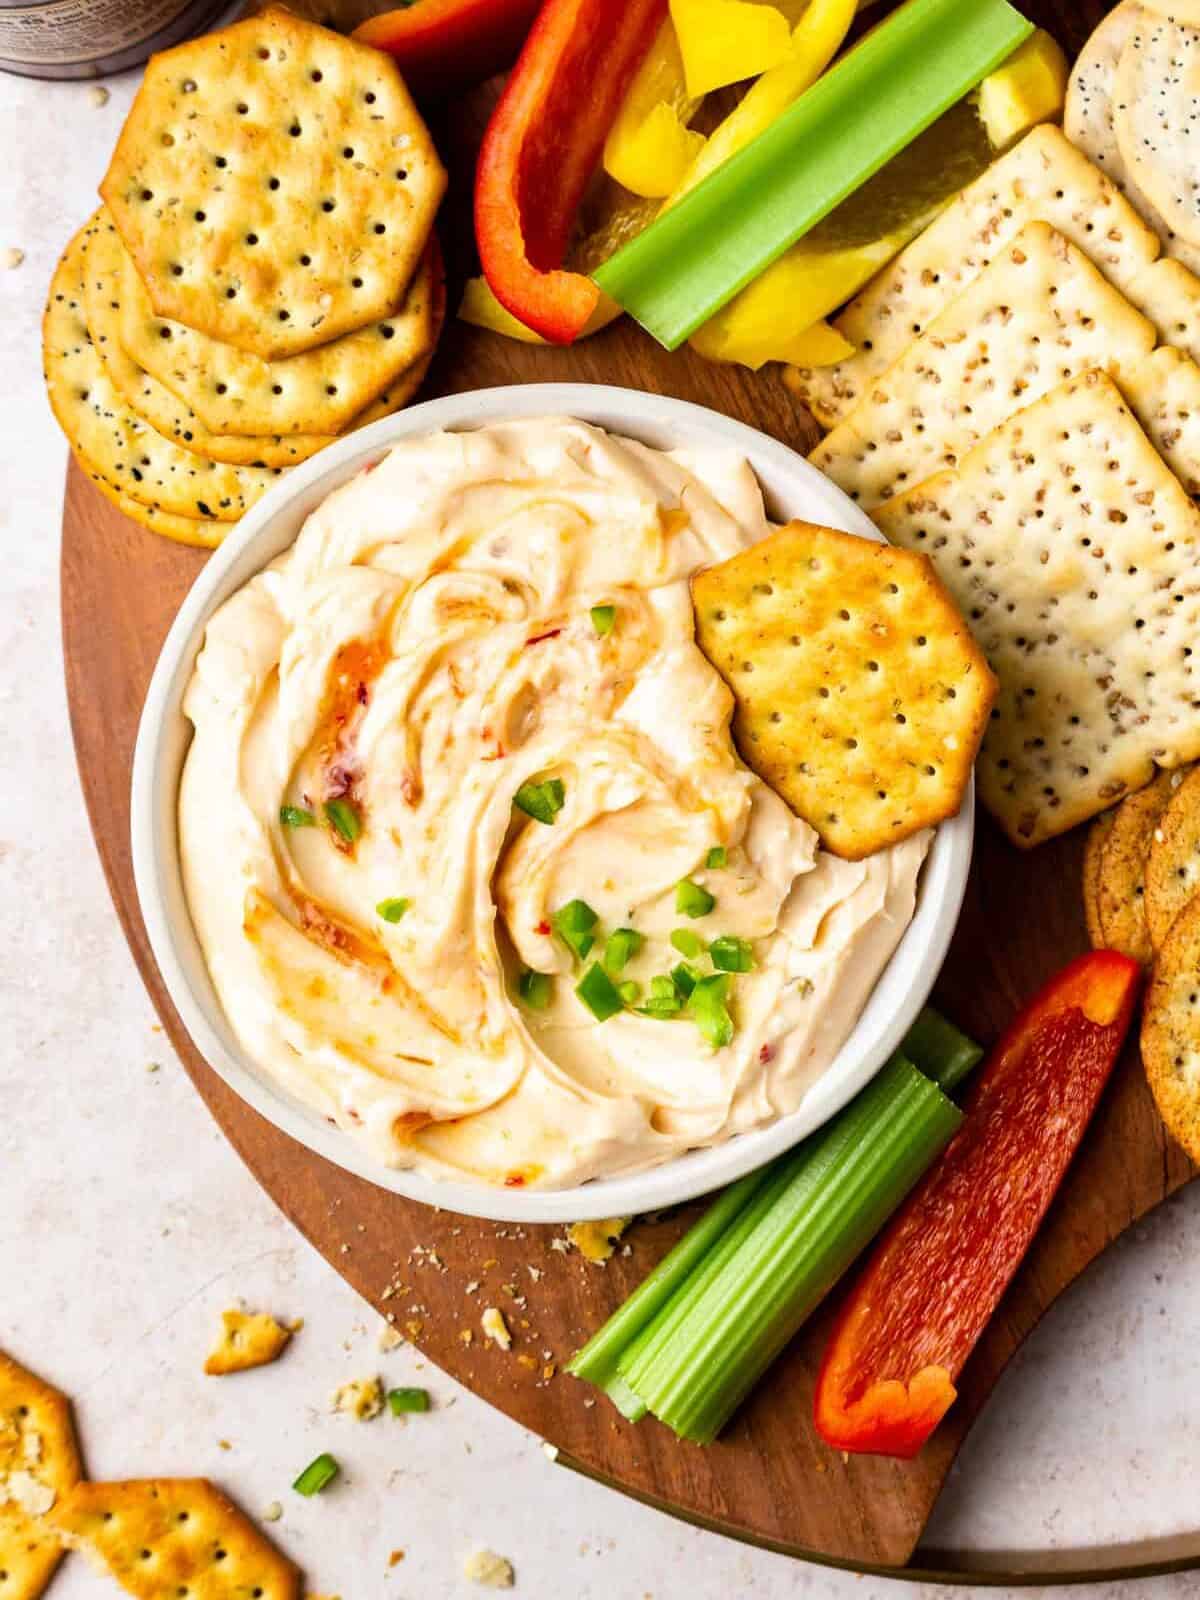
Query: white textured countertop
(127, 1223)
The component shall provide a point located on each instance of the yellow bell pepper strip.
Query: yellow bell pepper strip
(652, 157)
(1030, 87)
(632, 151)
(481, 309)
(724, 41)
(754, 339)
(816, 40)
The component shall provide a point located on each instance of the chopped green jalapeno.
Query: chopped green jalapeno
(392, 910)
(664, 999)
(603, 618)
(342, 816)
(598, 993)
(541, 801)
(685, 978)
(630, 992)
(536, 989)
(623, 944)
(573, 923)
(296, 817)
(707, 1009)
(317, 1475)
(402, 1400)
(717, 858)
(731, 954)
(687, 943)
(692, 900)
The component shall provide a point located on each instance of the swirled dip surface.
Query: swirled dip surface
(425, 649)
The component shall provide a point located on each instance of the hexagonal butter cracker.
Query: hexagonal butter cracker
(152, 400)
(1156, 101)
(1171, 1030)
(1039, 313)
(247, 1339)
(322, 391)
(275, 184)
(1173, 864)
(1042, 178)
(1073, 551)
(860, 696)
(39, 1463)
(1122, 877)
(160, 1538)
(111, 441)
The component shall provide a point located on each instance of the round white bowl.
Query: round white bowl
(792, 488)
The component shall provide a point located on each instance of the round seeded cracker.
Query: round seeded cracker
(1089, 123)
(152, 400)
(275, 184)
(1156, 103)
(112, 442)
(1173, 865)
(321, 392)
(1122, 882)
(1171, 1030)
(1093, 854)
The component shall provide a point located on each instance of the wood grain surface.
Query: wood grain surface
(769, 1478)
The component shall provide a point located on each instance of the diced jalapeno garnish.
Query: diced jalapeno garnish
(717, 858)
(708, 1010)
(541, 801)
(731, 954)
(392, 910)
(573, 923)
(598, 993)
(692, 900)
(342, 816)
(623, 944)
(688, 944)
(536, 989)
(603, 618)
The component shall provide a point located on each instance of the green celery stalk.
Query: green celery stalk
(707, 1349)
(940, 1050)
(903, 75)
(597, 1361)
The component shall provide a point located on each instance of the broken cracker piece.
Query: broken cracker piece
(495, 1328)
(162, 1537)
(39, 1463)
(360, 1398)
(1122, 885)
(596, 1241)
(489, 1570)
(861, 697)
(248, 1339)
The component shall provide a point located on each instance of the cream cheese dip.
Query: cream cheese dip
(478, 617)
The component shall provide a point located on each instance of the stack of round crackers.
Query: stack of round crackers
(1141, 895)
(262, 276)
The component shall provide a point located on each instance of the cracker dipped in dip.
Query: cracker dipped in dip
(462, 797)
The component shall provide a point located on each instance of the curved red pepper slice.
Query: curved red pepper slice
(541, 147)
(938, 1272)
(442, 45)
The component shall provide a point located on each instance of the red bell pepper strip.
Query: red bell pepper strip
(939, 1270)
(444, 45)
(541, 147)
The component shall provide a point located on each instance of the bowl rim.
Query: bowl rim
(271, 526)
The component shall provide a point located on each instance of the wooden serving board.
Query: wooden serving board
(769, 1479)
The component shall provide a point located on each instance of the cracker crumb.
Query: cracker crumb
(395, 1558)
(98, 95)
(489, 1570)
(13, 258)
(154, 1066)
(495, 1327)
(389, 1338)
(273, 1512)
(360, 1398)
(596, 1241)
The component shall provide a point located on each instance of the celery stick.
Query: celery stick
(701, 1358)
(597, 1361)
(940, 1050)
(698, 254)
